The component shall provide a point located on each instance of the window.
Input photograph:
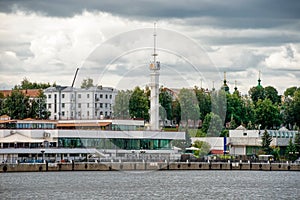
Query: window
(88, 96)
(63, 113)
(88, 113)
(101, 105)
(63, 96)
(79, 96)
(79, 114)
(79, 105)
(101, 96)
(88, 105)
(245, 134)
(110, 96)
(95, 105)
(49, 96)
(105, 114)
(63, 105)
(106, 105)
(106, 96)
(101, 113)
(49, 105)
(95, 96)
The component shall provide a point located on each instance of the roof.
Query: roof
(29, 92)
(241, 127)
(83, 124)
(19, 138)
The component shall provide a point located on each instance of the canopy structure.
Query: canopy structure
(19, 138)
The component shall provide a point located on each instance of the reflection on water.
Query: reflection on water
(151, 185)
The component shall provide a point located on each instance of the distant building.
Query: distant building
(248, 142)
(80, 103)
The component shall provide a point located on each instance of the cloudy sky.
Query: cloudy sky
(111, 42)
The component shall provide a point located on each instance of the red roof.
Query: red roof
(29, 92)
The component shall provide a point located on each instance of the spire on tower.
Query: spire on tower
(259, 74)
(154, 65)
(235, 88)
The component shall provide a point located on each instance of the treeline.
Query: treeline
(18, 105)
(215, 112)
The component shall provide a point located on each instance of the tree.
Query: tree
(165, 100)
(26, 84)
(257, 93)
(176, 111)
(87, 83)
(16, 105)
(297, 142)
(204, 148)
(139, 104)
(204, 101)
(212, 125)
(267, 114)
(266, 141)
(235, 110)
(290, 91)
(189, 105)
(272, 94)
(121, 107)
(290, 151)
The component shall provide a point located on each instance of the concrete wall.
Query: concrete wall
(147, 166)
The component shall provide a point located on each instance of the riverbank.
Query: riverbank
(130, 166)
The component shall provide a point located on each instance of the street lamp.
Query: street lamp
(43, 154)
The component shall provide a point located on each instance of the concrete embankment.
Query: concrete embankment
(129, 166)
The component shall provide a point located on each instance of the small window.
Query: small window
(110, 96)
(88, 96)
(79, 105)
(63, 105)
(63, 113)
(88, 113)
(95, 105)
(49, 96)
(101, 96)
(106, 96)
(245, 134)
(79, 96)
(101, 105)
(49, 105)
(88, 105)
(63, 96)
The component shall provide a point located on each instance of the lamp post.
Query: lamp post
(43, 154)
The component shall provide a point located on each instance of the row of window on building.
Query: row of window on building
(100, 105)
(87, 96)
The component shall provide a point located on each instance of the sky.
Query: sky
(112, 42)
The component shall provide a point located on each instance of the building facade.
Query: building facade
(80, 103)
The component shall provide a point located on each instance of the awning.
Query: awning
(99, 124)
(18, 138)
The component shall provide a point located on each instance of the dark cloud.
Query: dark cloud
(162, 8)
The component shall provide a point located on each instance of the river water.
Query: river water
(151, 185)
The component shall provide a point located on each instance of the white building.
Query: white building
(80, 103)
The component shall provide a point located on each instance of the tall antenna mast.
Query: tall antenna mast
(154, 45)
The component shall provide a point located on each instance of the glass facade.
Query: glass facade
(105, 143)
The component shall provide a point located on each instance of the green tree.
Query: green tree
(219, 105)
(87, 83)
(165, 100)
(290, 151)
(272, 94)
(297, 142)
(121, 106)
(139, 104)
(26, 84)
(37, 108)
(176, 111)
(235, 110)
(204, 101)
(267, 114)
(16, 105)
(290, 91)
(257, 93)
(189, 105)
(204, 148)
(266, 141)
(212, 125)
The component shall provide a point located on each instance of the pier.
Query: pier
(146, 166)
